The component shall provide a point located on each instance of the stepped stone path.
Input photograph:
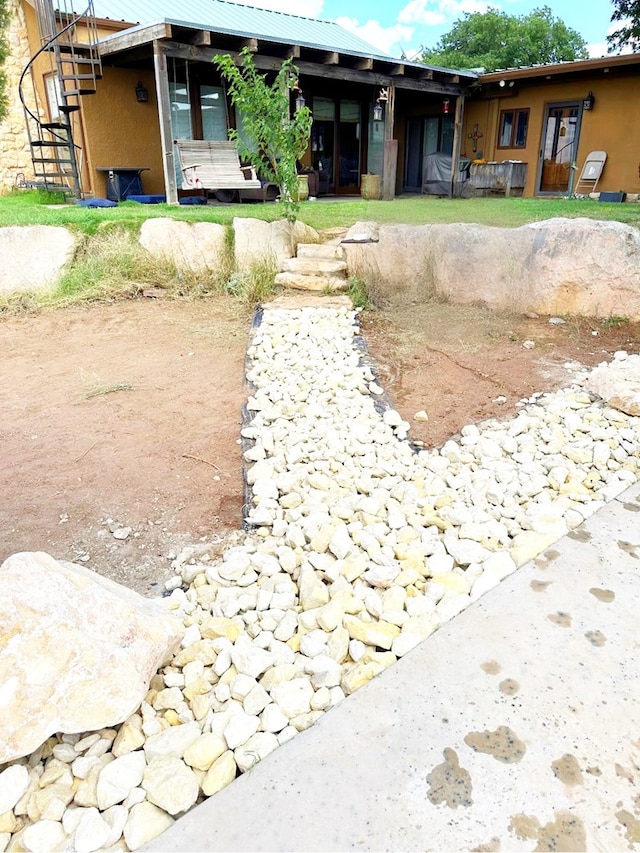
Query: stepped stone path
(357, 549)
(318, 267)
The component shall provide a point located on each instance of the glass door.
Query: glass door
(349, 146)
(559, 147)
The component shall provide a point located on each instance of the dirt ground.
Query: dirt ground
(120, 423)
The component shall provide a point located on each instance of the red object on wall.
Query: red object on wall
(445, 106)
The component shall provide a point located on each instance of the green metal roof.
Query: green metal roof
(239, 20)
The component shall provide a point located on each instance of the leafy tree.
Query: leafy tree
(4, 52)
(627, 12)
(491, 40)
(273, 140)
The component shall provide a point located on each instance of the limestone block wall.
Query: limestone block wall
(15, 157)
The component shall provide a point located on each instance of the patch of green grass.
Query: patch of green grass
(614, 321)
(253, 286)
(358, 292)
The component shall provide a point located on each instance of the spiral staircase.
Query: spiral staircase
(70, 60)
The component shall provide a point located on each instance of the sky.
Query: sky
(404, 26)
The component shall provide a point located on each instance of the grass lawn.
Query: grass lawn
(26, 208)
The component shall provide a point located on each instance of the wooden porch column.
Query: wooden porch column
(164, 117)
(390, 163)
(457, 144)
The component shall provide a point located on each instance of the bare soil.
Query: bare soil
(120, 423)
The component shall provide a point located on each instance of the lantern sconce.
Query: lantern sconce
(378, 112)
(445, 106)
(300, 101)
(589, 101)
(142, 95)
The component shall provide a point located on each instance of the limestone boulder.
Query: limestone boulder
(558, 266)
(77, 651)
(257, 242)
(618, 383)
(34, 256)
(200, 247)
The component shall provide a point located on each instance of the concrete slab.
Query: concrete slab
(516, 726)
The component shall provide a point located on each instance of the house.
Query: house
(550, 117)
(115, 86)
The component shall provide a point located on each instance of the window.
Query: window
(513, 128)
(54, 96)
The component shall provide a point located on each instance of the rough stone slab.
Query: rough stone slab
(33, 256)
(546, 746)
(315, 266)
(362, 232)
(257, 242)
(321, 250)
(311, 282)
(197, 247)
(77, 651)
(293, 301)
(618, 383)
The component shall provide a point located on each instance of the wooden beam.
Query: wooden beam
(331, 58)
(457, 144)
(313, 69)
(397, 71)
(128, 39)
(364, 64)
(251, 44)
(202, 38)
(426, 75)
(164, 115)
(294, 52)
(389, 169)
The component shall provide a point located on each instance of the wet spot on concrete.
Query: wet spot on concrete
(632, 507)
(628, 548)
(594, 771)
(596, 638)
(606, 595)
(551, 554)
(503, 744)
(631, 825)
(623, 773)
(509, 686)
(567, 770)
(449, 783)
(580, 535)
(524, 826)
(560, 618)
(491, 667)
(492, 846)
(539, 586)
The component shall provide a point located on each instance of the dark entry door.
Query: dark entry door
(559, 148)
(336, 141)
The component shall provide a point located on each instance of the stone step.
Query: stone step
(315, 266)
(321, 250)
(318, 283)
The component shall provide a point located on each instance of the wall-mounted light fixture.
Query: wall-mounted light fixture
(300, 101)
(142, 95)
(589, 101)
(446, 105)
(378, 112)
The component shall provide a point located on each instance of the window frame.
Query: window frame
(516, 112)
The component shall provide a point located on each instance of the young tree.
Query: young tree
(272, 139)
(627, 12)
(4, 52)
(492, 39)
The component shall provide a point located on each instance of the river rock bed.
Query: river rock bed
(359, 548)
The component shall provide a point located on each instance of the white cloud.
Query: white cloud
(436, 12)
(304, 8)
(392, 40)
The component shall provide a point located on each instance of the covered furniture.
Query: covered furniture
(436, 173)
(214, 166)
(123, 181)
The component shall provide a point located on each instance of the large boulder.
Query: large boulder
(77, 651)
(199, 248)
(618, 383)
(257, 242)
(559, 266)
(33, 256)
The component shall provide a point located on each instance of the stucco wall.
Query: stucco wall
(613, 126)
(15, 157)
(121, 131)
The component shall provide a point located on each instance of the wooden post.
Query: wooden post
(164, 116)
(457, 144)
(390, 163)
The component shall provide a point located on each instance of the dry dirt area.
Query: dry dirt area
(120, 423)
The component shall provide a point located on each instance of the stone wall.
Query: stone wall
(15, 157)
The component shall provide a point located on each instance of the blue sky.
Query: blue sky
(395, 26)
